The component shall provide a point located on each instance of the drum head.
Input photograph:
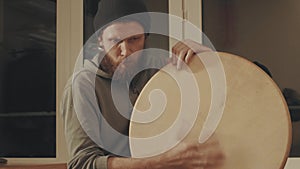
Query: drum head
(254, 129)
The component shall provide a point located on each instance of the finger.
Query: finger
(197, 47)
(215, 158)
(174, 59)
(215, 163)
(178, 47)
(178, 44)
(169, 59)
(175, 53)
(189, 55)
(201, 49)
(180, 59)
(174, 49)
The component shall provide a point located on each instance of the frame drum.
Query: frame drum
(254, 129)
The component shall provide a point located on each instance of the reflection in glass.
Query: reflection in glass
(27, 78)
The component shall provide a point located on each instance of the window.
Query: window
(28, 78)
(68, 37)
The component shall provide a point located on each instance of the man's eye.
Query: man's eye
(115, 41)
(134, 38)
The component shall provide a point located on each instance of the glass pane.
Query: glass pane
(27, 78)
(263, 31)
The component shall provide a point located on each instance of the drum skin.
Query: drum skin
(254, 131)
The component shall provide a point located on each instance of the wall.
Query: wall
(266, 31)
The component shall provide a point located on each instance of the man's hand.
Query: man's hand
(193, 155)
(186, 155)
(184, 50)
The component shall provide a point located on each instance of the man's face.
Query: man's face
(120, 40)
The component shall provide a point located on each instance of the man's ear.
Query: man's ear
(100, 42)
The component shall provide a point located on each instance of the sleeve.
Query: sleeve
(84, 153)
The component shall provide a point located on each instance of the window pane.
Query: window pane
(27, 78)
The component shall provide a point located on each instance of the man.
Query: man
(96, 131)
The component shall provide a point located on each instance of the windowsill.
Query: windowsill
(44, 166)
(22, 114)
(292, 163)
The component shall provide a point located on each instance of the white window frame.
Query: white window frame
(190, 10)
(68, 44)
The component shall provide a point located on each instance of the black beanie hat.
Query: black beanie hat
(110, 10)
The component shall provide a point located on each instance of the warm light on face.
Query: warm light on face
(121, 39)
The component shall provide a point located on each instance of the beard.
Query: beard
(123, 69)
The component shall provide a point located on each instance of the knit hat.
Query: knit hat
(111, 10)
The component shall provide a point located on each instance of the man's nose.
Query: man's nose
(125, 48)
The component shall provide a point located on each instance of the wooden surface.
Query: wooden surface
(255, 130)
(49, 166)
